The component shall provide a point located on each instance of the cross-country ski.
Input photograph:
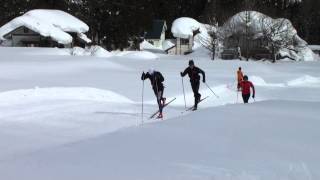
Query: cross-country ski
(166, 104)
(193, 108)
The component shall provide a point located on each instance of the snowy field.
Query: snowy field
(71, 117)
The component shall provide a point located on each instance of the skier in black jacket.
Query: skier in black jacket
(156, 80)
(193, 73)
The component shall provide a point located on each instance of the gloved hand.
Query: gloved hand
(204, 81)
(253, 96)
(181, 74)
(142, 76)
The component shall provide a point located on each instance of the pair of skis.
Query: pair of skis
(166, 104)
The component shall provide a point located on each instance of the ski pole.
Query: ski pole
(211, 90)
(142, 99)
(184, 94)
(237, 97)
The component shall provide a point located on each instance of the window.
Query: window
(184, 41)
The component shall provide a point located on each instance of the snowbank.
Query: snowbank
(48, 23)
(259, 81)
(78, 51)
(96, 51)
(36, 51)
(305, 81)
(60, 93)
(137, 54)
(306, 54)
(99, 52)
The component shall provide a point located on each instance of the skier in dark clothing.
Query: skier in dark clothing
(245, 86)
(156, 80)
(193, 73)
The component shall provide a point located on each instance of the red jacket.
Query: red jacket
(245, 87)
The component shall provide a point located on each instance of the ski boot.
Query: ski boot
(160, 116)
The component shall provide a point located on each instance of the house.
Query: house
(189, 35)
(157, 35)
(185, 29)
(184, 45)
(45, 28)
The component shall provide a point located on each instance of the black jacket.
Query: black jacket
(194, 74)
(156, 80)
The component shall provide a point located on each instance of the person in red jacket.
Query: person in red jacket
(245, 86)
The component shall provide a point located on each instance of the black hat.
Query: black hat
(245, 77)
(191, 62)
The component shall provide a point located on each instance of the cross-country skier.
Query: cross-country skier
(193, 73)
(156, 80)
(245, 86)
(239, 77)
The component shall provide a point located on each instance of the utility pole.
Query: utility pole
(248, 21)
(247, 33)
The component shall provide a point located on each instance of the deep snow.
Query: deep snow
(74, 117)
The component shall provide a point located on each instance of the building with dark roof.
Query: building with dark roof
(157, 35)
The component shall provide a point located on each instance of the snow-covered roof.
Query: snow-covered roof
(84, 37)
(48, 23)
(184, 27)
(60, 19)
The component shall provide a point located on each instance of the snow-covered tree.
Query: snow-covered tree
(278, 34)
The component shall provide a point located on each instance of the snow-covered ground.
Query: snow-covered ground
(73, 117)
